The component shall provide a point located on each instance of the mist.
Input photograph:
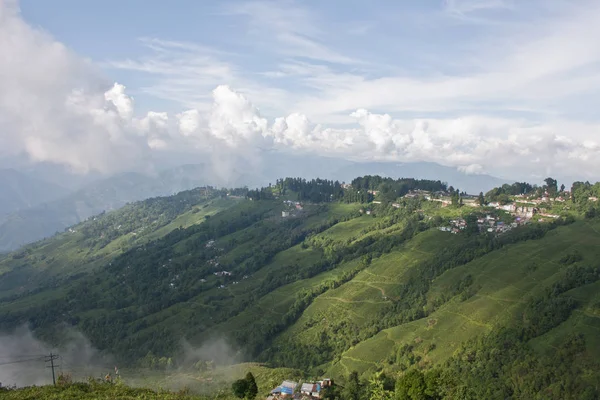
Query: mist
(215, 350)
(22, 358)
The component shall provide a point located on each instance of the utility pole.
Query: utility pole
(51, 359)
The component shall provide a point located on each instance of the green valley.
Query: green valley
(406, 288)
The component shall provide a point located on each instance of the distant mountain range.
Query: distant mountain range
(310, 166)
(42, 220)
(19, 191)
(32, 208)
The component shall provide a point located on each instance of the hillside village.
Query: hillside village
(305, 391)
(495, 214)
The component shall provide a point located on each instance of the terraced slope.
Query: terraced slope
(500, 285)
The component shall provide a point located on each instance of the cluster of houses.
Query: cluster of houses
(493, 225)
(294, 390)
(456, 225)
(292, 206)
(425, 193)
(488, 224)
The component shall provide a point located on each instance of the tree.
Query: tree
(481, 199)
(411, 386)
(472, 225)
(551, 186)
(377, 390)
(353, 389)
(252, 389)
(239, 388)
(455, 197)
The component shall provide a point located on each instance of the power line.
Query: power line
(51, 359)
(21, 355)
(22, 361)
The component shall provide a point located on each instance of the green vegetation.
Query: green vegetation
(94, 390)
(96, 241)
(245, 388)
(385, 302)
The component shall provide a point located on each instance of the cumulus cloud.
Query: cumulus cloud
(56, 107)
(475, 145)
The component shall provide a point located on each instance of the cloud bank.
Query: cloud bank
(57, 107)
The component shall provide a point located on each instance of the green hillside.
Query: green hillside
(99, 239)
(500, 285)
(328, 281)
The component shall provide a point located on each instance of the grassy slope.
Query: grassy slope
(175, 385)
(72, 253)
(361, 298)
(502, 279)
(218, 380)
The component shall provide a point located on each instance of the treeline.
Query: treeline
(390, 189)
(314, 190)
(360, 190)
(401, 185)
(550, 188)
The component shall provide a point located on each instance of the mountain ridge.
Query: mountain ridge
(328, 286)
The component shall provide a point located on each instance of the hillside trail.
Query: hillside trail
(352, 301)
(383, 293)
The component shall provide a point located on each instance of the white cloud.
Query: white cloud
(292, 27)
(54, 107)
(57, 108)
(472, 169)
(463, 7)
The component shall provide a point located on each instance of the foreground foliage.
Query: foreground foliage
(96, 391)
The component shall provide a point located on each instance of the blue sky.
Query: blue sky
(253, 42)
(501, 86)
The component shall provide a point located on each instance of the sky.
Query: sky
(504, 87)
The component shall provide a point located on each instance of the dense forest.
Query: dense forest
(360, 190)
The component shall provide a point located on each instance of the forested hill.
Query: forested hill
(415, 286)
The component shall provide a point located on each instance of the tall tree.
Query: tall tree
(481, 199)
(239, 388)
(551, 186)
(252, 389)
(472, 226)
